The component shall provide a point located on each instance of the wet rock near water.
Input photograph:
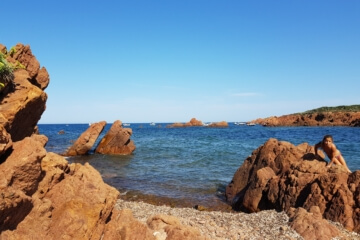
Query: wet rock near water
(86, 140)
(116, 141)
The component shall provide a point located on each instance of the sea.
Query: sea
(187, 167)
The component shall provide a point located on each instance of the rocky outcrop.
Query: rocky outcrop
(192, 123)
(222, 124)
(86, 140)
(116, 141)
(351, 119)
(281, 176)
(22, 107)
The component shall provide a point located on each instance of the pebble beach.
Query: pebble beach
(224, 225)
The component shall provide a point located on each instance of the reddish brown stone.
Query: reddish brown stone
(314, 119)
(42, 79)
(311, 225)
(219, 124)
(116, 141)
(24, 56)
(5, 140)
(22, 108)
(279, 175)
(86, 140)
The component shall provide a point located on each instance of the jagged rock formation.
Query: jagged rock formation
(116, 141)
(351, 119)
(279, 175)
(22, 107)
(86, 140)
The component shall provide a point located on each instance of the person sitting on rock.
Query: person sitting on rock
(331, 151)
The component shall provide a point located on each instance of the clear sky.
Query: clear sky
(171, 60)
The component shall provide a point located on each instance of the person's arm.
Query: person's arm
(333, 155)
(317, 146)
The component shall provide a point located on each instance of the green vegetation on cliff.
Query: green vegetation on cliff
(350, 108)
(6, 72)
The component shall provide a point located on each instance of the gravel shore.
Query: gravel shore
(222, 225)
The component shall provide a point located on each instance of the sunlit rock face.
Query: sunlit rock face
(279, 175)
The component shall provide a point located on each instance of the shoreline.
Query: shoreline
(218, 225)
(218, 203)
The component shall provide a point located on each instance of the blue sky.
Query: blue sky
(169, 61)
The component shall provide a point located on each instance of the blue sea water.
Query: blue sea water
(192, 165)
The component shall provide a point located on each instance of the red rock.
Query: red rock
(5, 141)
(125, 226)
(314, 119)
(279, 175)
(86, 140)
(219, 124)
(42, 79)
(22, 108)
(116, 141)
(171, 228)
(24, 56)
(311, 225)
(192, 123)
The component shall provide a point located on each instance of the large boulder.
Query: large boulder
(19, 178)
(86, 140)
(51, 198)
(279, 175)
(116, 141)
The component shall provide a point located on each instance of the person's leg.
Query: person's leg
(341, 161)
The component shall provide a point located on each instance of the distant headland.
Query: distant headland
(323, 116)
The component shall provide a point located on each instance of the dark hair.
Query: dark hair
(327, 136)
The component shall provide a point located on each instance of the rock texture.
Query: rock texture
(21, 109)
(116, 141)
(281, 176)
(86, 140)
(311, 225)
(351, 119)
